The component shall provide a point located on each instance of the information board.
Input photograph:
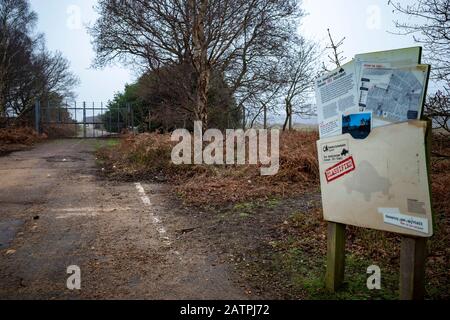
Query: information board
(380, 182)
(372, 153)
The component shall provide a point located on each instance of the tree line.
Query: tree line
(227, 63)
(247, 52)
(29, 72)
(216, 61)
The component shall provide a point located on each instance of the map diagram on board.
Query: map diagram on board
(393, 94)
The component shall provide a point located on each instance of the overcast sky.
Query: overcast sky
(364, 23)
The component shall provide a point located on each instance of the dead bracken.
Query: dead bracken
(148, 156)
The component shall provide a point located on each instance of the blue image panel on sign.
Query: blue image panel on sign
(358, 125)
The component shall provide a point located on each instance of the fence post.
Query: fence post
(118, 119)
(47, 114)
(335, 256)
(93, 120)
(60, 121)
(84, 119)
(77, 133)
(102, 118)
(132, 118)
(37, 116)
(128, 115)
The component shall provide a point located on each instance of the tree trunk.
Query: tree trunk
(265, 115)
(200, 59)
(286, 123)
(244, 120)
(290, 116)
(3, 90)
(288, 120)
(202, 97)
(2, 107)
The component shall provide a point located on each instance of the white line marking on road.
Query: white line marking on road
(67, 213)
(156, 220)
(92, 209)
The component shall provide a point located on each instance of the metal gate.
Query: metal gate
(83, 120)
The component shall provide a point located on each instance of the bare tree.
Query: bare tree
(299, 71)
(222, 35)
(264, 102)
(438, 108)
(336, 57)
(54, 74)
(429, 24)
(27, 70)
(259, 90)
(43, 76)
(16, 21)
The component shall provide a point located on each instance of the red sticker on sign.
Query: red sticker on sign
(342, 168)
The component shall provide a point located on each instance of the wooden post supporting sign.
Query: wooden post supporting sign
(335, 256)
(412, 268)
(414, 250)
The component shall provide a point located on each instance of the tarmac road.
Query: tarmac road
(56, 212)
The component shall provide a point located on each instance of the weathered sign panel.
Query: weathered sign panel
(389, 84)
(380, 182)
